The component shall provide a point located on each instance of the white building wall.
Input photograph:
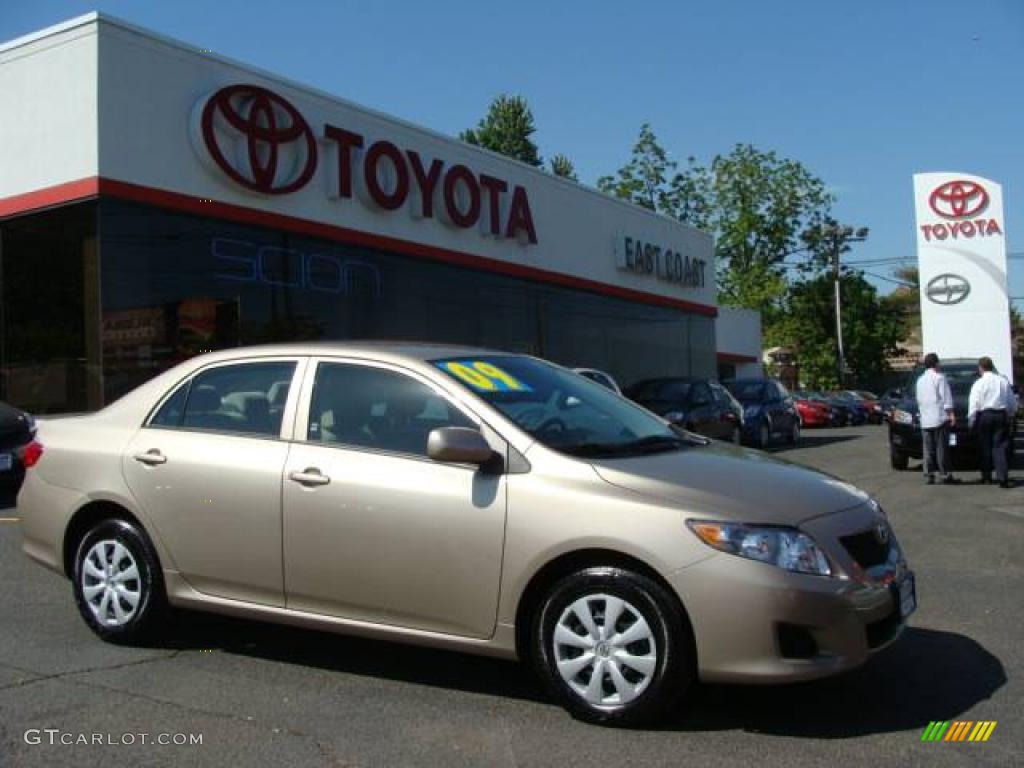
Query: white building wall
(738, 333)
(48, 110)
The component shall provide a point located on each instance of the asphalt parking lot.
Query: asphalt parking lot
(263, 695)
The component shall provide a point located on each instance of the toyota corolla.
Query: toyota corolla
(466, 499)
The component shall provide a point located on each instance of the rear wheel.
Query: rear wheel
(898, 459)
(612, 647)
(118, 584)
(736, 436)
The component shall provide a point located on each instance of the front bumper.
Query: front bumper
(906, 438)
(746, 614)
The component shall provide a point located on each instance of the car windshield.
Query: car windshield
(565, 412)
(961, 378)
(748, 391)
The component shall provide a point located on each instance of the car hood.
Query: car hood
(959, 406)
(722, 481)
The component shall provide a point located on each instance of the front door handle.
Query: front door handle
(310, 476)
(151, 457)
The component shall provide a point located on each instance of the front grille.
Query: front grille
(866, 549)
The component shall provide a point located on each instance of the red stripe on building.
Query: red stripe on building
(48, 197)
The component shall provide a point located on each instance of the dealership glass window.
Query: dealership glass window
(376, 408)
(49, 330)
(176, 284)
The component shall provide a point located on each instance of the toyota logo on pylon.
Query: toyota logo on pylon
(258, 139)
(958, 199)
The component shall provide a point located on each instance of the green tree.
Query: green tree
(507, 128)
(562, 166)
(646, 179)
(872, 328)
(760, 208)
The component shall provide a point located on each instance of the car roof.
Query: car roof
(370, 348)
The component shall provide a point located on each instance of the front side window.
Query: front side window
(375, 408)
(242, 398)
(560, 409)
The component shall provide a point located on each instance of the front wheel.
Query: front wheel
(794, 434)
(118, 584)
(764, 436)
(612, 647)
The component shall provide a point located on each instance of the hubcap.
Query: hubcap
(604, 650)
(111, 583)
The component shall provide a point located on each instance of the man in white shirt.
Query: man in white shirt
(935, 406)
(990, 407)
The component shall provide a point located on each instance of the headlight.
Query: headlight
(787, 548)
(675, 416)
(902, 417)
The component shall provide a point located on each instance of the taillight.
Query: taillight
(31, 454)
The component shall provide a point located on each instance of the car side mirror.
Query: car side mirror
(458, 445)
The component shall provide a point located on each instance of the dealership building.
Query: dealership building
(157, 201)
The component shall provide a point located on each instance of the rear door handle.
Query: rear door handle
(151, 457)
(310, 476)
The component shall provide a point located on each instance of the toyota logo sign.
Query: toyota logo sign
(958, 199)
(947, 289)
(258, 139)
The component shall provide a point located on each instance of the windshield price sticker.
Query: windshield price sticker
(483, 376)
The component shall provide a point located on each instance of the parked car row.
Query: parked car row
(754, 411)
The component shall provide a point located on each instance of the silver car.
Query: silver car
(466, 499)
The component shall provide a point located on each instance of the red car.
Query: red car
(813, 413)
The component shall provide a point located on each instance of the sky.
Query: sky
(863, 92)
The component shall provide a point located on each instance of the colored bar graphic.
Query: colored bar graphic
(935, 730)
(959, 730)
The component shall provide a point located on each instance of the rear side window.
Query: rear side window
(247, 398)
(173, 409)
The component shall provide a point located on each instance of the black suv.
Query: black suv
(905, 421)
(698, 405)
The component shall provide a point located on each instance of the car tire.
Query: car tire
(794, 434)
(764, 435)
(570, 645)
(736, 437)
(118, 583)
(898, 459)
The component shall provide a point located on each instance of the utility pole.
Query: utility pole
(838, 237)
(840, 356)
